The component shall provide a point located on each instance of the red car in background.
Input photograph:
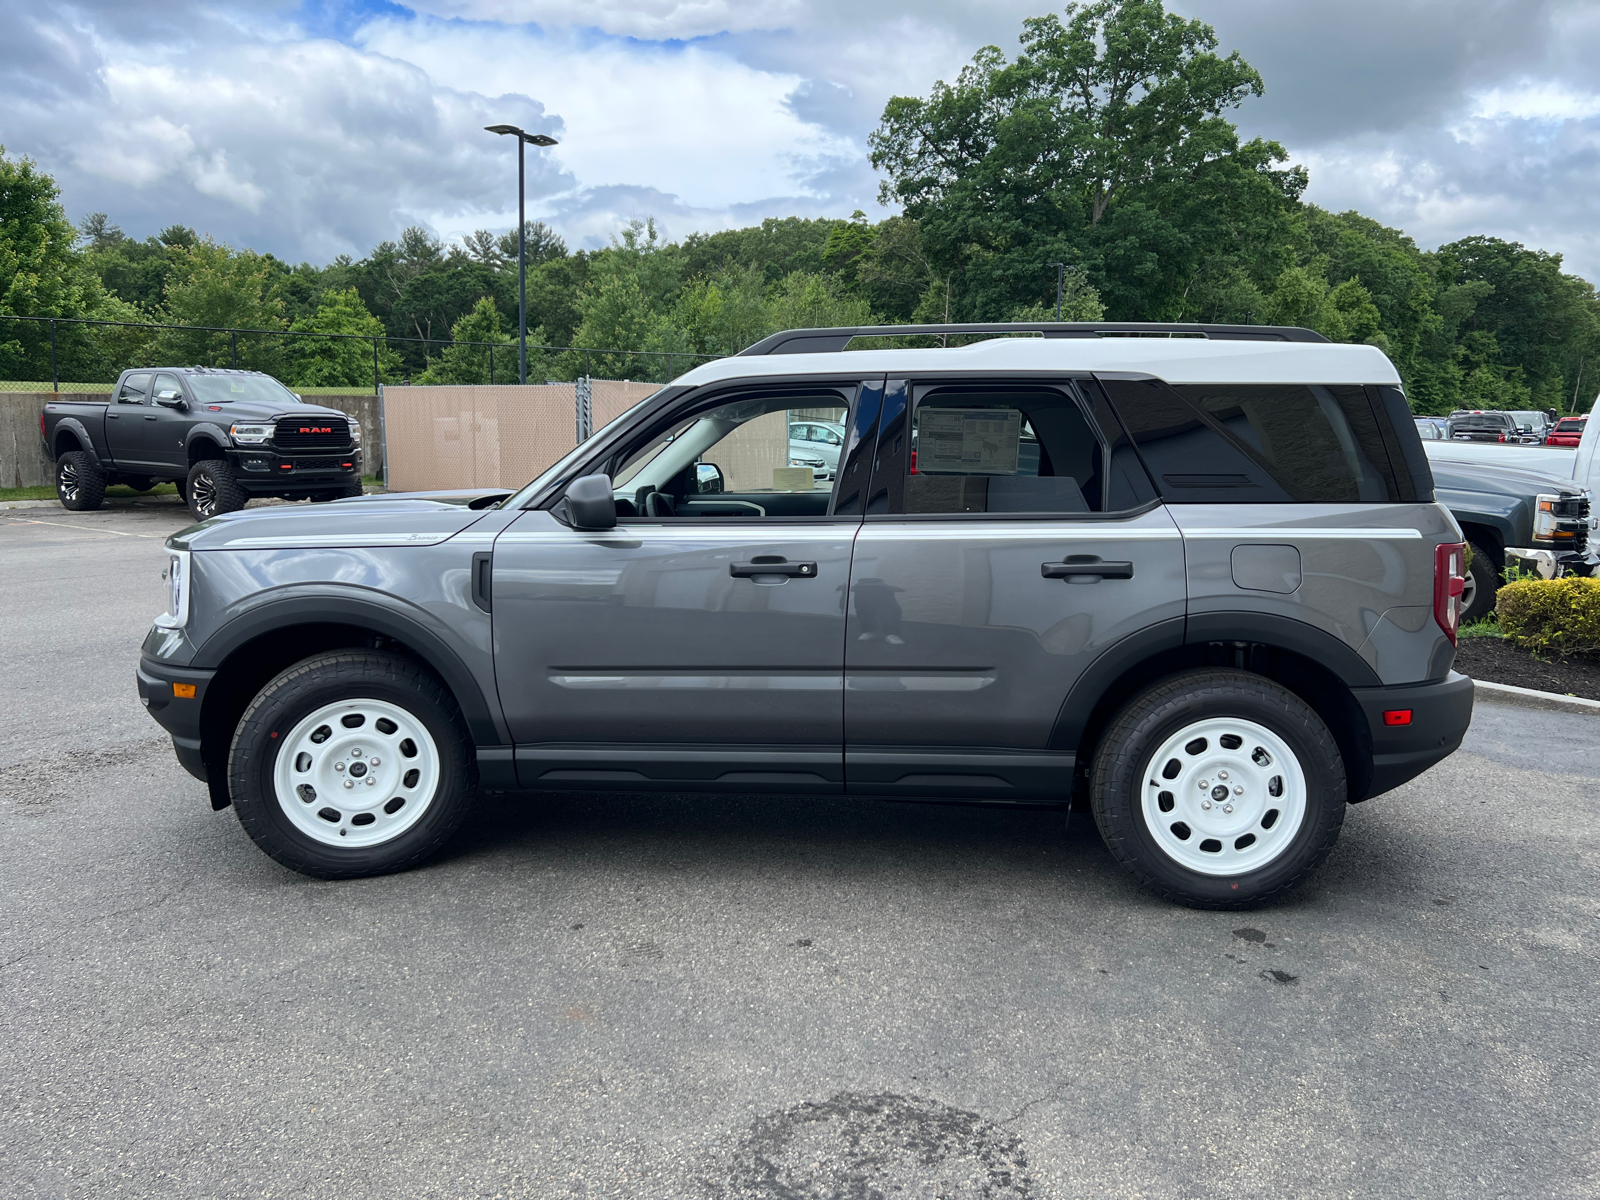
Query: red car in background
(1568, 431)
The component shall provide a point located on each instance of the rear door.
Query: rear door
(1011, 538)
(700, 643)
(125, 421)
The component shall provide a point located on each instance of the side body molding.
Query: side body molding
(378, 613)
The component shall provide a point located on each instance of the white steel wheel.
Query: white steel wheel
(356, 773)
(1223, 796)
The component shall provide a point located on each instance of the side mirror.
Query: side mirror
(590, 503)
(708, 479)
(171, 399)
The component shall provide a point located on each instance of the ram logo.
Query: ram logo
(316, 429)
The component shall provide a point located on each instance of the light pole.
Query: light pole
(523, 139)
(1061, 276)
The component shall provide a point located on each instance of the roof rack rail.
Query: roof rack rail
(825, 341)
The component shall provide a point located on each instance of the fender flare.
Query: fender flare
(78, 430)
(1197, 629)
(209, 431)
(362, 611)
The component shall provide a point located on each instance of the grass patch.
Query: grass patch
(1483, 627)
(115, 492)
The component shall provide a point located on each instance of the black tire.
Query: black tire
(301, 690)
(211, 490)
(1483, 583)
(1150, 719)
(138, 483)
(80, 483)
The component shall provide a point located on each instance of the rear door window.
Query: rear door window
(977, 450)
(1255, 443)
(134, 388)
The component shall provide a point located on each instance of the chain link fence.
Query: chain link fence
(80, 355)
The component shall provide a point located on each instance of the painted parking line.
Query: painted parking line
(80, 528)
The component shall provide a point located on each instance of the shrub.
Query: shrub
(1551, 614)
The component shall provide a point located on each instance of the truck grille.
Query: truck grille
(311, 433)
(1572, 512)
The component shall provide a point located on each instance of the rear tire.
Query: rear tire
(212, 489)
(80, 483)
(1218, 789)
(301, 788)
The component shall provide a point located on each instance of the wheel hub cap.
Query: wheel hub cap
(356, 773)
(1223, 796)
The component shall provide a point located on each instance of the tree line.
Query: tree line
(1104, 145)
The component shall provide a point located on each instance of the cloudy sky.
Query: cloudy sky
(320, 128)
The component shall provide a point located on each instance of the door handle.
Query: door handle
(771, 564)
(149, 416)
(1090, 566)
(482, 579)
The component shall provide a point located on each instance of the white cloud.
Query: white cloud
(1536, 100)
(651, 19)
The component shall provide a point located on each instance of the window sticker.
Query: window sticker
(973, 441)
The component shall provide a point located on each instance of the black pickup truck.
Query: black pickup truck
(222, 436)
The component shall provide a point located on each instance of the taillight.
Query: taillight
(41, 423)
(1449, 581)
(1502, 439)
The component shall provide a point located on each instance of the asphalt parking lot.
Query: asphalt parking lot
(757, 996)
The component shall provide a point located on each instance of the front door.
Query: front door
(162, 430)
(700, 643)
(1010, 540)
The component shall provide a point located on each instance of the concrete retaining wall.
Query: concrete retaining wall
(23, 462)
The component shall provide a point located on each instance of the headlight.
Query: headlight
(355, 432)
(1548, 515)
(250, 435)
(176, 577)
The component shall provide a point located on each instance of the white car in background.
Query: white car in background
(815, 441)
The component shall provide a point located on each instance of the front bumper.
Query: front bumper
(1440, 714)
(178, 715)
(268, 472)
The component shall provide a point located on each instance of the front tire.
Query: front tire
(212, 489)
(80, 483)
(1218, 789)
(352, 763)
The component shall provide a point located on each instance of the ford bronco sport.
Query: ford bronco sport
(1198, 579)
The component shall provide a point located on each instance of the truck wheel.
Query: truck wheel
(1483, 583)
(352, 763)
(80, 482)
(211, 489)
(1218, 789)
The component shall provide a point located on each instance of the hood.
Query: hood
(240, 411)
(400, 520)
(1499, 478)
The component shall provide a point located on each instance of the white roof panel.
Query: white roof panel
(1177, 360)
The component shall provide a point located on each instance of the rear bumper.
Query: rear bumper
(1440, 714)
(178, 715)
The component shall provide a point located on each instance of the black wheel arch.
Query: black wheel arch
(256, 645)
(1315, 665)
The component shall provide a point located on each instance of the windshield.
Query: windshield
(219, 389)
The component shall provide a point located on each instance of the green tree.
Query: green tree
(41, 275)
(215, 287)
(340, 361)
(1103, 145)
(462, 362)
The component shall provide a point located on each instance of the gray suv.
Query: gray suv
(1198, 580)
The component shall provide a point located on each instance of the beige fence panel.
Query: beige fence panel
(483, 436)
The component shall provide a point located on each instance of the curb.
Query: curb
(1520, 697)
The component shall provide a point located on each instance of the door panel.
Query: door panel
(957, 642)
(664, 652)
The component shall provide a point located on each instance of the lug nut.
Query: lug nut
(374, 762)
(1204, 784)
(1227, 808)
(1222, 774)
(349, 783)
(338, 766)
(1238, 789)
(372, 781)
(1206, 804)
